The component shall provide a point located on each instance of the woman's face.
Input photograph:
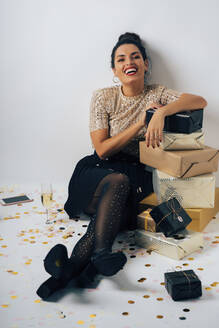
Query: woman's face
(129, 64)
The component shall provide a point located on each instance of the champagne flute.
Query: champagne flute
(46, 198)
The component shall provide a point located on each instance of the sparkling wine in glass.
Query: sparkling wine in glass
(46, 198)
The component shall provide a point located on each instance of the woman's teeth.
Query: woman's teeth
(131, 71)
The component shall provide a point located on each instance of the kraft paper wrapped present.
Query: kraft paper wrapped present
(145, 221)
(182, 285)
(180, 141)
(200, 216)
(183, 122)
(180, 163)
(193, 192)
(176, 247)
(170, 217)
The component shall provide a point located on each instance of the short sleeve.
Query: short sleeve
(98, 112)
(169, 95)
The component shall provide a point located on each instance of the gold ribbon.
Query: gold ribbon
(172, 211)
(187, 277)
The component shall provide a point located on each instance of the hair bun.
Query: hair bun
(129, 36)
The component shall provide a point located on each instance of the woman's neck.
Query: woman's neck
(132, 90)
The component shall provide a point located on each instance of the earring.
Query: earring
(115, 81)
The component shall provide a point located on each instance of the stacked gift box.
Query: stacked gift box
(171, 220)
(184, 166)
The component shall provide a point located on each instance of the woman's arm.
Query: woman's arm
(106, 146)
(155, 127)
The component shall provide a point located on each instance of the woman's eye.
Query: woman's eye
(137, 57)
(120, 60)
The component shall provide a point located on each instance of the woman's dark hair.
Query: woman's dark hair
(131, 38)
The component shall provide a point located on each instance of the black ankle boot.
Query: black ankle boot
(56, 260)
(50, 286)
(107, 263)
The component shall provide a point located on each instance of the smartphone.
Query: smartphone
(15, 200)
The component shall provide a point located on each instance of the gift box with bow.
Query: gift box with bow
(183, 285)
(170, 217)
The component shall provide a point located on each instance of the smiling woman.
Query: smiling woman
(108, 184)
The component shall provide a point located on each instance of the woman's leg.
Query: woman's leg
(108, 205)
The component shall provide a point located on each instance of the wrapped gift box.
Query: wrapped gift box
(183, 285)
(180, 163)
(170, 217)
(180, 141)
(193, 192)
(200, 216)
(183, 122)
(176, 247)
(145, 221)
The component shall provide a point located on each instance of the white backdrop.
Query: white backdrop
(55, 53)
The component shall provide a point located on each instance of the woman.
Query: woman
(109, 184)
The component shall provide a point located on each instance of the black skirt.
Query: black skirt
(90, 170)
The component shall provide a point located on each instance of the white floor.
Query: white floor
(24, 241)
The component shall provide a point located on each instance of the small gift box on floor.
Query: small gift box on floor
(170, 217)
(182, 285)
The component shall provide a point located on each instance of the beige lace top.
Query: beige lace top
(111, 110)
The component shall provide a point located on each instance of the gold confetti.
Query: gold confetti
(80, 322)
(131, 302)
(37, 230)
(146, 296)
(26, 212)
(142, 279)
(200, 269)
(6, 218)
(185, 264)
(1, 254)
(14, 272)
(125, 313)
(92, 326)
(214, 284)
(147, 265)
(178, 267)
(159, 299)
(17, 217)
(1, 239)
(159, 316)
(19, 204)
(208, 288)
(215, 242)
(45, 242)
(17, 213)
(5, 305)
(37, 301)
(13, 297)
(191, 258)
(4, 246)
(32, 242)
(32, 237)
(92, 315)
(25, 239)
(216, 236)
(34, 207)
(162, 283)
(50, 236)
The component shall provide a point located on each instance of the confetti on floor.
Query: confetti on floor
(123, 301)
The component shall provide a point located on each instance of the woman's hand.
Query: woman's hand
(154, 133)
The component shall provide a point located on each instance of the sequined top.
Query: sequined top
(111, 110)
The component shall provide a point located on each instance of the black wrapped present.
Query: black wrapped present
(182, 285)
(170, 217)
(183, 122)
